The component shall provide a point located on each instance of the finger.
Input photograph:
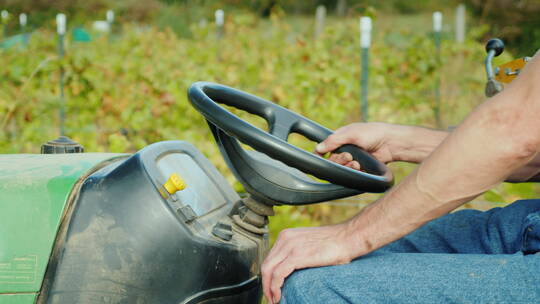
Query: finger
(334, 157)
(266, 272)
(353, 165)
(345, 158)
(267, 269)
(292, 262)
(282, 271)
(275, 256)
(331, 143)
(341, 158)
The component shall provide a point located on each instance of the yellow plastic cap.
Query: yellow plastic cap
(174, 183)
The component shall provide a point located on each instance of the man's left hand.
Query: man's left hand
(299, 248)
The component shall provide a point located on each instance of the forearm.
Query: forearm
(498, 138)
(422, 142)
(528, 173)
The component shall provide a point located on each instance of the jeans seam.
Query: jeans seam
(530, 220)
(339, 294)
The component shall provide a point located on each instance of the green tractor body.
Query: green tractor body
(34, 190)
(151, 227)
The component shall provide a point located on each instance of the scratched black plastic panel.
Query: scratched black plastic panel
(126, 244)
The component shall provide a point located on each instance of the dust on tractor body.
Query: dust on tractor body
(163, 225)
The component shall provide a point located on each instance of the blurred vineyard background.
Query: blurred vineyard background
(127, 88)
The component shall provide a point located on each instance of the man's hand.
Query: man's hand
(386, 142)
(338, 244)
(299, 248)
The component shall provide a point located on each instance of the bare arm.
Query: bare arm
(389, 143)
(498, 138)
(528, 173)
(424, 141)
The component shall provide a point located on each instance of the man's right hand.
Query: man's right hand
(386, 142)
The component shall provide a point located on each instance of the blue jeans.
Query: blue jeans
(465, 257)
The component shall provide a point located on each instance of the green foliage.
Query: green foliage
(41, 11)
(516, 22)
(125, 93)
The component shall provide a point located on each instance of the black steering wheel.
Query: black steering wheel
(227, 127)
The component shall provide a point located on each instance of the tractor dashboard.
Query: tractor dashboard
(148, 218)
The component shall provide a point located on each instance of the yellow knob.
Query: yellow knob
(174, 183)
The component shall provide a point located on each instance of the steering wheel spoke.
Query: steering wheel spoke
(282, 126)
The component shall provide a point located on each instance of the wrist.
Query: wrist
(414, 144)
(399, 212)
(359, 240)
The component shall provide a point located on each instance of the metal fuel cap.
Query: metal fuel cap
(62, 144)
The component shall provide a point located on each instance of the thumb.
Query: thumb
(328, 145)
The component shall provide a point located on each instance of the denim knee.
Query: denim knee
(295, 287)
(328, 285)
